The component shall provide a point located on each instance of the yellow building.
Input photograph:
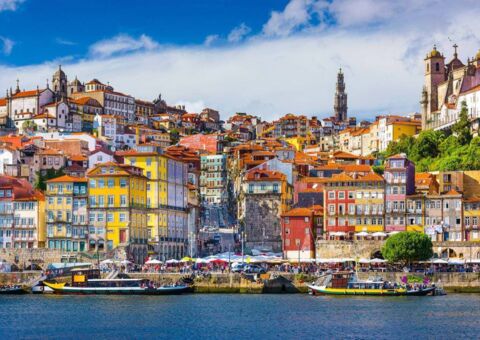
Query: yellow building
(154, 167)
(118, 209)
(416, 212)
(67, 218)
(471, 218)
(369, 203)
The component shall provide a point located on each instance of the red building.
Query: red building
(340, 206)
(299, 228)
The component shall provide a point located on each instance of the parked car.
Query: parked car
(238, 267)
(254, 269)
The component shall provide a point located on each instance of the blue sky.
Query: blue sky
(46, 30)
(265, 57)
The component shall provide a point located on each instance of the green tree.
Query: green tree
(379, 169)
(41, 181)
(174, 136)
(403, 145)
(29, 126)
(427, 145)
(406, 247)
(462, 127)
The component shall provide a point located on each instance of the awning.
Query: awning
(362, 233)
(379, 234)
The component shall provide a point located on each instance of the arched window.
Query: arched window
(437, 67)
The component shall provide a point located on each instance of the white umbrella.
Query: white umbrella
(364, 261)
(393, 232)
(154, 262)
(362, 233)
(201, 261)
(108, 261)
(125, 262)
(456, 261)
(379, 234)
(171, 261)
(375, 260)
(440, 261)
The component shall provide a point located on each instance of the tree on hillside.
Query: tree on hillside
(41, 180)
(403, 145)
(462, 127)
(174, 136)
(29, 126)
(406, 247)
(427, 144)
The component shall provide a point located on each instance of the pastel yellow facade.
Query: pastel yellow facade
(369, 203)
(118, 211)
(154, 167)
(471, 219)
(67, 219)
(404, 128)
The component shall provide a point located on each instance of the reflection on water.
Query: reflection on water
(239, 316)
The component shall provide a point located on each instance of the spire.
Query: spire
(48, 86)
(17, 90)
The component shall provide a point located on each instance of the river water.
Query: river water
(203, 316)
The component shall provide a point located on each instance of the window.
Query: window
(331, 195)
(122, 217)
(341, 195)
(109, 217)
(111, 183)
(123, 183)
(123, 200)
(92, 183)
(275, 187)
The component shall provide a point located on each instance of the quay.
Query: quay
(273, 282)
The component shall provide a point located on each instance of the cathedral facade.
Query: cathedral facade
(446, 86)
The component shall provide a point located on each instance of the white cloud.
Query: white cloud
(211, 39)
(238, 33)
(122, 43)
(381, 52)
(7, 45)
(296, 14)
(9, 5)
(192, 107)
(66, 42)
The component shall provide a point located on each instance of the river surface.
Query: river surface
(203, 316)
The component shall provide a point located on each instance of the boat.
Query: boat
(345, 283)
(87, 281)
(41, 288)
(13, 290)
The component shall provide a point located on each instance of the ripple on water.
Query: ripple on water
(239, 316)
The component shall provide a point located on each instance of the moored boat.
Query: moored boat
(14, 290)
(345, 283)
(89, 282)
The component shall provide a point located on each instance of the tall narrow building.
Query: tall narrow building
(340, 105)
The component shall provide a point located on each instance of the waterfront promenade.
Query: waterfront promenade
(274, 282)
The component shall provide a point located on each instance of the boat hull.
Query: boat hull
(316, 290)
(67, 290)
(14, 291)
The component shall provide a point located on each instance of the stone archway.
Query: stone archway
(376, 254)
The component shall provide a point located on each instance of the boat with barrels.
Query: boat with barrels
(88, 281)
(346, 283)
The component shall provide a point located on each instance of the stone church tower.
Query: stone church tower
(340, 104)
(59, 83)
(434, 75)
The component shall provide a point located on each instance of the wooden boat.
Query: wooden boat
(88, 282)
(15, 290)
(345, 283)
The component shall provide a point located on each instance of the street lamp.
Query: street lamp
(243, 236)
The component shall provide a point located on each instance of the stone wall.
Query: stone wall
(262, 221)
(370, 249)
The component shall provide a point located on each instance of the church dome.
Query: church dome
(76, 82)
(434, 52)
(59, 74)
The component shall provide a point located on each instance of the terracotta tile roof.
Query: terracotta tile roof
(3, 101)
(66, 178)
(78, 158)
(264, 175)
(298, 212)
(24, 94)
